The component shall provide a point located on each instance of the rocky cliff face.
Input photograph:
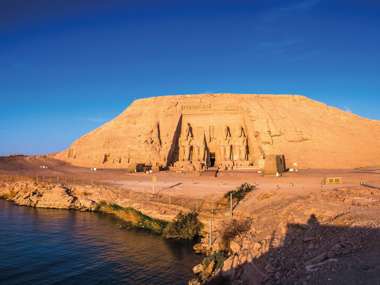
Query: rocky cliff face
(307, 132)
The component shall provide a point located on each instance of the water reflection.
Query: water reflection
(43, 246)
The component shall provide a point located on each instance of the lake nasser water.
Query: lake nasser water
(42, 246)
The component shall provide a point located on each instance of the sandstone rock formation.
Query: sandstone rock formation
(230, 131)
(314, 239)
(45, 195)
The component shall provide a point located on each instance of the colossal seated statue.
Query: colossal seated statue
(189, 132)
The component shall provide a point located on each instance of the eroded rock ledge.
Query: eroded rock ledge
(105, 200)
(28, 192)
(46, 195)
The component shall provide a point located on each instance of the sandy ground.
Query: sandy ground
(195, 185)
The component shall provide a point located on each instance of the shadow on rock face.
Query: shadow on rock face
(313, 253)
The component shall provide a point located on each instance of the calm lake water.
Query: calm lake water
(42, 246)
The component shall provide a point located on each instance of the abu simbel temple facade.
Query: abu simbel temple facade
(210, 137)
(229, 131)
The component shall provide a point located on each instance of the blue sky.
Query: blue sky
(67, 66)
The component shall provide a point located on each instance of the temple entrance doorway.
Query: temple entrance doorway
(212, 159)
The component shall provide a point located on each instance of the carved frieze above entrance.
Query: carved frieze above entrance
(208, 108)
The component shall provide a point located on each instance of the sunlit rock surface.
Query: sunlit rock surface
(229, 131)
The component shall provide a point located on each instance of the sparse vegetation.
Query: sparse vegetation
(216, 257)
(116, 207)
(133, 217)
(100, 205)
(185, 226)
(240, 192)
(233, 229)
(210, 266)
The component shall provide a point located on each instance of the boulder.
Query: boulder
(194, 282)
(197, 268)
(228, 263)
(199, 248)
(208, 270)
(234, 247)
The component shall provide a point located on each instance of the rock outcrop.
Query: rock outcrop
(229, 130)
(46, 195)
(316, 239)
(26, 191)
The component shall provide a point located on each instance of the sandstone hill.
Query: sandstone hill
(307, 132)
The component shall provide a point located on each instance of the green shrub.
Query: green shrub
(185, 226)
(116, 207)
(100, 205)
(218, 257)
(239, 193)
(132, 217)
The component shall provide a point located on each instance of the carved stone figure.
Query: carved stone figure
(227, 133)
(236, 150)
(202, 154)
(242, 132)
(228, 144)
(189, 132)
(222, 151)
(188, 150)
(182, 147)
(229, 152)
(243, 148)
